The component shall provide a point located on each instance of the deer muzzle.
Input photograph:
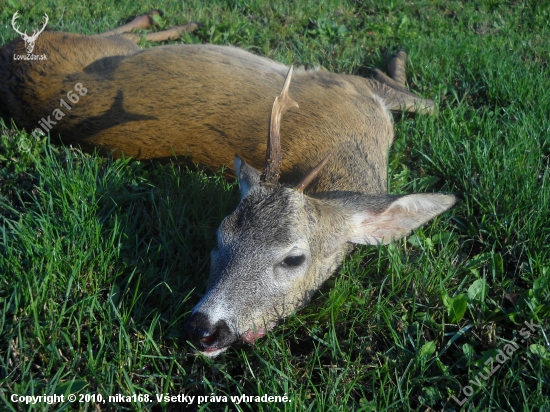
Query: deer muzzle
(213, 339)
(210, 339)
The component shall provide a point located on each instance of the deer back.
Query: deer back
(202, 101)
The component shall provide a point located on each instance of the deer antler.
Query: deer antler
(311, 175)
(35, 34)
(15, 17)
(272, 167)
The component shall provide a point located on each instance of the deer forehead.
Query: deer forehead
(278, 217)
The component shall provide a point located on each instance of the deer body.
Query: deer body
(202, 101)
(208, 103)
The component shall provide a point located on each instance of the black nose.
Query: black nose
(205, 336)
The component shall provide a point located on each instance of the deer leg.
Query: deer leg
(383, 78)
(397, 99)
(173, 33)
(397, 67)
(146, 21)
(393, 88)
(139, 22)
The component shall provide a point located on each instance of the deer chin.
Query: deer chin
(213, 352)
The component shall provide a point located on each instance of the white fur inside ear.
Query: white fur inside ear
(238, 164)
(247, 175)
(243, 187)
(399, 219)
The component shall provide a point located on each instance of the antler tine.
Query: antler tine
(35, 33)
(44, 26)
(283, 102)
(15, 17)
(311, 175)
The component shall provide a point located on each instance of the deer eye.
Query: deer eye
(294, 261)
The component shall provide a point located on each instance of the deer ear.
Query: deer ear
(248, 177)
(392, 217)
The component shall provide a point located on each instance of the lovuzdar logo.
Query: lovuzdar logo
(29, 41)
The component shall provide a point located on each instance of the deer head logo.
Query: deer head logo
(29, 40)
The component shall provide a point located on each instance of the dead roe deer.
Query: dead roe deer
(208, 102)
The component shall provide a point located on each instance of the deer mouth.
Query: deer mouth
(251, 335)
(213, 352)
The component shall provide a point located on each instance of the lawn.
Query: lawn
(101, 260)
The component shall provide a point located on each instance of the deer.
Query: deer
(312, 185)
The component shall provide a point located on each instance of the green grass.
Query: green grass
(102, 260)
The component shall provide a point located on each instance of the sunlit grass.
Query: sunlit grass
(101, 260)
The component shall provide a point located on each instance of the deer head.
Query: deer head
(29, 40)
(277, 248)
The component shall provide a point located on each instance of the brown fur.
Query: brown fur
(203, 101)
